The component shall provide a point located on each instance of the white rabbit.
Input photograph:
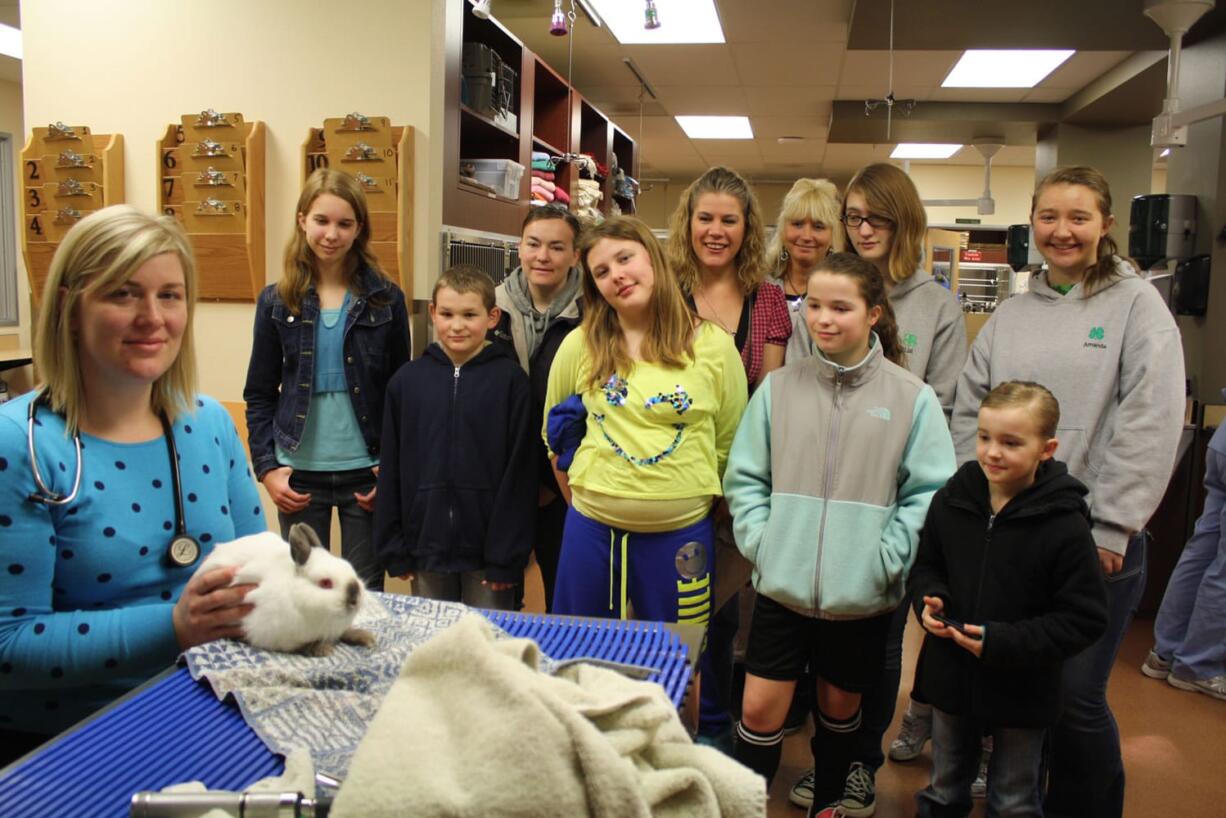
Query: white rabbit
(307, 597)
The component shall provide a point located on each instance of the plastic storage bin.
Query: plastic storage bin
(503, 175)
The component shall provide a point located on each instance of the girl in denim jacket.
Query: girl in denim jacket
(328, 337)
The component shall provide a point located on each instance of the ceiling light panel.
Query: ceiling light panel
(924, 150)
(716, 127)
(681, 21)
(10, 41)
(1004, 69)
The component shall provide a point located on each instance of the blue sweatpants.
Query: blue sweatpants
(665, 577)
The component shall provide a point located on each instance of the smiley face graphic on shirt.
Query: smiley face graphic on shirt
(616, 392)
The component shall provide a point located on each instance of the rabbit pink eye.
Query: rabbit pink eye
(325, 583)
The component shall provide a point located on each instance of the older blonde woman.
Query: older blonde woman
(134, 478)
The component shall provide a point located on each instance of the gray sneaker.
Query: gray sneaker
(1155, 667)
(915, 732)
(859, 792)
(801, 793)
(1214, 686)
(979, 787)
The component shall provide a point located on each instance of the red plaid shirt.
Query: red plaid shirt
(769, 323)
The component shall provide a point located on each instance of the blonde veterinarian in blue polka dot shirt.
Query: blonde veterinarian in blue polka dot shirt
(95, 553)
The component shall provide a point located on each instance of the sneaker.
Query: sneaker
(979, 787)
(1155, 667)
(859, 792)
(802, 791)
(1214, 686)
(915, 732)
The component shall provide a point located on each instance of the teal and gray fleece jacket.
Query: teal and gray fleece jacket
(829, 480)
(1114, 361)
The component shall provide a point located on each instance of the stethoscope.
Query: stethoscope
(183, 550)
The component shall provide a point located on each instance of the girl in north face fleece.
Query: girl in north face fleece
(828, 481)
(1101, 339)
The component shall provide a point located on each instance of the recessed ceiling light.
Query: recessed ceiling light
(924, 150)
(10, 41)
(716, 127)
(681, 21)
(1004, 69)
(789, 140)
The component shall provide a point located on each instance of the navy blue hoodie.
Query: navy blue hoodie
(1029, 574)
(457, 477)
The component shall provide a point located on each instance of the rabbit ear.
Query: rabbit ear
(302, 538)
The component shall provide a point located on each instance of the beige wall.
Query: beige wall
(143, 63)
(11, 124)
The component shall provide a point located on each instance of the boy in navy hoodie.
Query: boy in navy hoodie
(457, 485)
(1008, 586)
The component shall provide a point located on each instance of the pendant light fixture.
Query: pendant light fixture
(557, 24)
(652, 16)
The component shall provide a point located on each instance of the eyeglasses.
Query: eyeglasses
(854, 220)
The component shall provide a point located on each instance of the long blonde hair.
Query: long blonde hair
(889, 192)
(1103, 269)
(816, 200)
(670, 335)
(301, 264)
(99, 253)
(750, 260)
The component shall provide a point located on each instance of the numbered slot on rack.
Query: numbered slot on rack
(379, 156)
(68, 172)
(211, 168)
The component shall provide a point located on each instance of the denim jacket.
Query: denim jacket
(281, 371)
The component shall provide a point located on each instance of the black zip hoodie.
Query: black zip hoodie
(457, 478)
(1030, 574)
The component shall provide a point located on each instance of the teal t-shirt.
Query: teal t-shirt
(332, 439)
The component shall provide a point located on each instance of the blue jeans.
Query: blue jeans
(1086, 778)
(1190, 630)
(330, 490)
(1013, 773)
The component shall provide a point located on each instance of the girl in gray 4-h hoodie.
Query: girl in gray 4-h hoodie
(1101, 339)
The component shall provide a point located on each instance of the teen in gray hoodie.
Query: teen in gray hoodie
(1101, 339)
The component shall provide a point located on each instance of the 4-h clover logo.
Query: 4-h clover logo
(909, 341)
(1097, 333)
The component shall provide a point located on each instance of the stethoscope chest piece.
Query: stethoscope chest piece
(183, 551)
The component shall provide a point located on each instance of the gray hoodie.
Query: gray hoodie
(1115, 362)
(930, 325)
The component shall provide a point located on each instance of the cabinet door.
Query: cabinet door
(941, 252)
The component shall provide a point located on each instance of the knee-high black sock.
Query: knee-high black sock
(759, 751)
(833, 744)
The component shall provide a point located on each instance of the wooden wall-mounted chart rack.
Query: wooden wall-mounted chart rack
(211, 168)
(380, 156)
(67, 173)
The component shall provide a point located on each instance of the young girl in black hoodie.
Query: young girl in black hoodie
(1007, 547)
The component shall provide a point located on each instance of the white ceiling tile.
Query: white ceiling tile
(770, 127)
(901, 91)
(802, 22)
(768, 63)
(790, 100)
(727, 147)
(1080, 69)
(685, 64)
(714, 100)
(978, 94)
(910, 67)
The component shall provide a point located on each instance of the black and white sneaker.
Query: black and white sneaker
(859, 792)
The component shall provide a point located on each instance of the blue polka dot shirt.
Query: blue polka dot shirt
(85, 592)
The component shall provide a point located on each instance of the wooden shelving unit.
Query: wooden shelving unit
(380, 156)
(211, 173)
(550, 116)
(67, 173)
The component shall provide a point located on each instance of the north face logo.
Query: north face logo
(1097, 333)
(879, 412)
